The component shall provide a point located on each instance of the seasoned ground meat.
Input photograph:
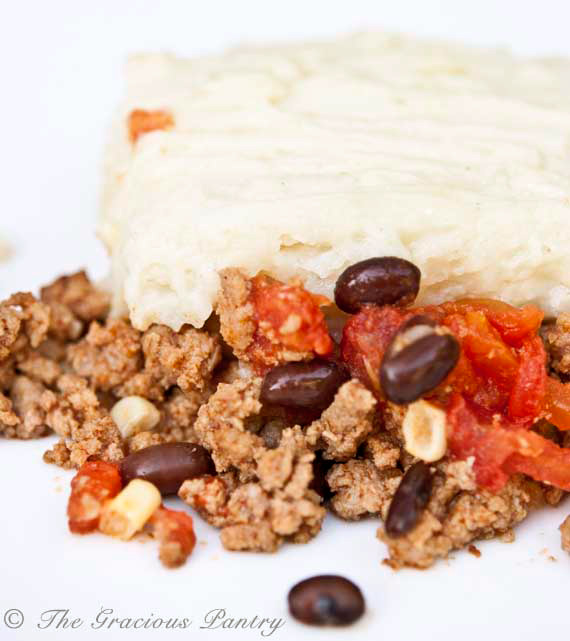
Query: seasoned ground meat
(109, 355)
(383, 450)
(458, 514)
(9, 421)
(86, 302)
(26, 396)
(64, 364)
(179, 412)
(24, 322)
(557, 342)
(361, 489)
(64, 325)
(345, 424)
(186, 358)
(87, 430)
(145, 439)
(276, 505)
(236, 311)
(209, 495)
(38, 367)
(222, 428)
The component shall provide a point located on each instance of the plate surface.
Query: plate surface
(62, 71)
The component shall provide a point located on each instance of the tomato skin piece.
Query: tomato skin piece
(551, 465)
(470, 436)
(365, 338)
(501, 450)
(483, 346)
(526, 402)
(514, 324)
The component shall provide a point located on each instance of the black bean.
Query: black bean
(303, 385)
(417, 360)
(377, 281)
(168, 465)
(326, 600)
(409, 501)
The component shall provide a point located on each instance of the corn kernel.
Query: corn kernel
(425, 431)
(134, 414)
(127, 513)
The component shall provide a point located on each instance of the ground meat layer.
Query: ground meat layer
(64, 364)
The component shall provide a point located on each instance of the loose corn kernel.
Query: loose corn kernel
(134, 414)
(425, 431)
(128, 512)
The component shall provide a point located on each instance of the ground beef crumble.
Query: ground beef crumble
(64, 363)
(221, 426)
(109, 355)
(27, 395)
(275, 506)
(179, 412)
(361, 489)
(345, 424)
(86, 428)
(186, 358)
(556, 339)
(235, 311)
(79, 295)
(459, 514)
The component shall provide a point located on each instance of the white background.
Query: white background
(60, 71)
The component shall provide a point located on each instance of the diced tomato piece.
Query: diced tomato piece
(551, 465)
(500, 450)
(365, 339)
(489, 355)
(471, 435)
(497, 391)
(557, 403)
(289, 317)
(142, 122)
(527, 397)
(514, 324)
(95, 483)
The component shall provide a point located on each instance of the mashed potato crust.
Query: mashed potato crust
(303, 159)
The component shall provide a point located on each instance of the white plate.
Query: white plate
(60, 68)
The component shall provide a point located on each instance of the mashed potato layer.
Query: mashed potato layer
(301, 160)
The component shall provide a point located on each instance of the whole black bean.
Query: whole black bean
(417, 360)
(303, 385)
(326, 600)
(168, 465)
(409, 501)
(377, 281)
